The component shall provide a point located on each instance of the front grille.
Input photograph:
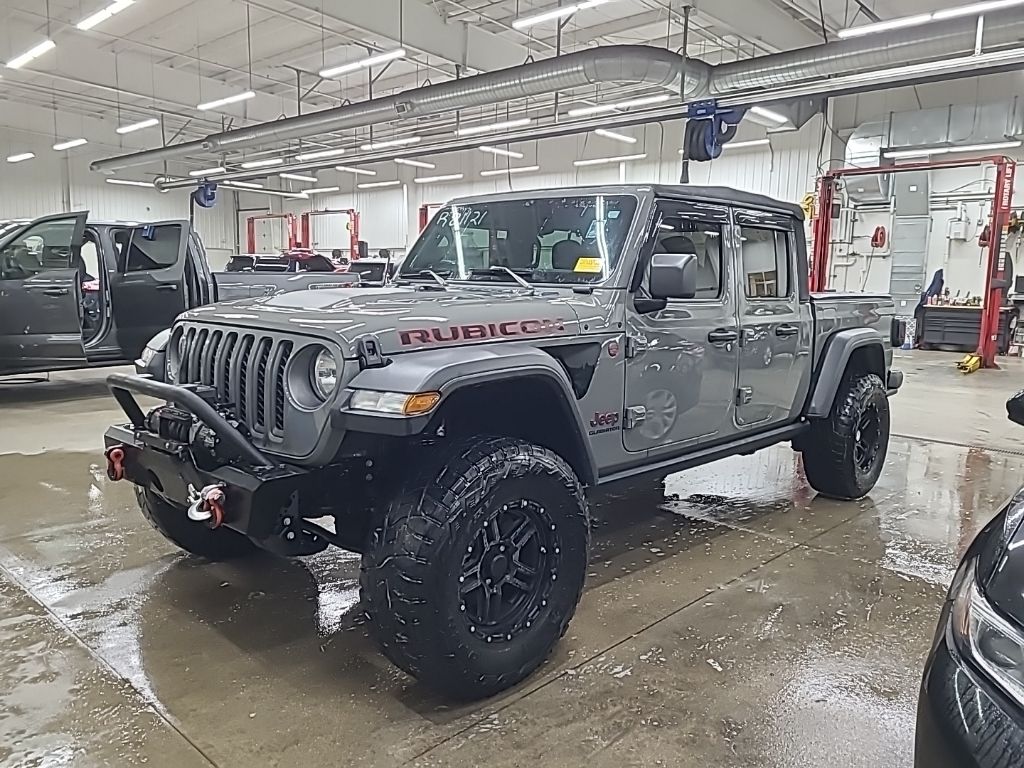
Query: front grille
(248, 371)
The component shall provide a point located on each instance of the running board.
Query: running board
(690, 459)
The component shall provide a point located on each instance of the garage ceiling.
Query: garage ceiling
(163, 57)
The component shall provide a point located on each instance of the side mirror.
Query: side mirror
(673, 276)
(1015, 408)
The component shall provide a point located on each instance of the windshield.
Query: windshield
(575, 239)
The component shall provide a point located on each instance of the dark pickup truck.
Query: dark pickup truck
(77, 293)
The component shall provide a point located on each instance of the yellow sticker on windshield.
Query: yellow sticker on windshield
(588, 264)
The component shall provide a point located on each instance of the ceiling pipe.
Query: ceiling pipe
(929, 42)
(629, 64)
(641, 65)
(896, 76)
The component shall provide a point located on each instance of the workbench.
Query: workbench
(956, 328)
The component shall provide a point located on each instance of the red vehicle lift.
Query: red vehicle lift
(995, 270)
(353, 228)
(290, 225)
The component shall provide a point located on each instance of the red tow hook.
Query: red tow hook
(208, 505)
(115, 462)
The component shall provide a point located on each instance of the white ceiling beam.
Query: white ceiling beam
(760, 20)
(418, 27)
(144, 86)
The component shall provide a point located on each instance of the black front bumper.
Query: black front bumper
(261, 494)
(962, 721)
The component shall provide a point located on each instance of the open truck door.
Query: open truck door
(149, 289)
(41, 274)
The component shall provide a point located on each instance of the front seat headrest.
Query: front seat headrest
(566, 253)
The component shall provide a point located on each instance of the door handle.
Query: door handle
(786, 329)
(55, 291)
(722, 336)
(167, 287)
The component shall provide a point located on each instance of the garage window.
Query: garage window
(765, 255)
(148, 248)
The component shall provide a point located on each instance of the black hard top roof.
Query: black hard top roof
(728, 195)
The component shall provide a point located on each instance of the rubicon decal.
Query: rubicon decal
(474, 331)
(604, 422)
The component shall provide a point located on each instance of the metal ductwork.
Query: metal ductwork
(618, 64)
(929, 42)
(958, 125)
(748, 79)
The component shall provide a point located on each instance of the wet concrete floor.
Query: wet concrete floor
(731, 617)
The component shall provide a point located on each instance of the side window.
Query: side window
(680, 230)
(765, 257)
(41, 248)
(148, 248)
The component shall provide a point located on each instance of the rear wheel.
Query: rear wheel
(475, 570)
(844, 454)
(172, 522)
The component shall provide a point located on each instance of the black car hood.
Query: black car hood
(1001, 562)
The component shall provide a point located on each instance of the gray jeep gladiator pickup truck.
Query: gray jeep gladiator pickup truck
(532, 345)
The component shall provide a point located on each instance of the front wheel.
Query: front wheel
(844, 454)
(476, 569)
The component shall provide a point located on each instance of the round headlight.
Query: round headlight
(325, 374)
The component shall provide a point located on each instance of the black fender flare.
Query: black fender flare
(838, 350)
(448, 370)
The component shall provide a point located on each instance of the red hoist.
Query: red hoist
(997, 270)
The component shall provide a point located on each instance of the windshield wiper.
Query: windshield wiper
(426, 273)
(516, 275)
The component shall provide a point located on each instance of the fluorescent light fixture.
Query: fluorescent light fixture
(208, 171)
(21, 158)
(208, 105)
(502, 152)
(147, 123)
(900, 154)
(320, 190)
(503, 171)
(600, 108)
(392, 143)
(607, 160)
(263, 163)
(369, 61)
(298, 177)
(307, 156)
(491, 127)
(69, 144)
(356, 171)
(258, 189)
(768, 114)
(557, 13)
(415, 163)
(446, 177)
(975, 9)
(32, 53)
(972, 9)
(884, 26)
(103, 14)
(615, 136)
(742, 144)
(376, 184)
(929, 151)
(130, 183)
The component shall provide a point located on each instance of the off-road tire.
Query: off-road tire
(195, 538)
(413, 575)
(831, 450)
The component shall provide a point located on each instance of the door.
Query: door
(775, 324)
(41, 295)
(683, 357)
(149, 290)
